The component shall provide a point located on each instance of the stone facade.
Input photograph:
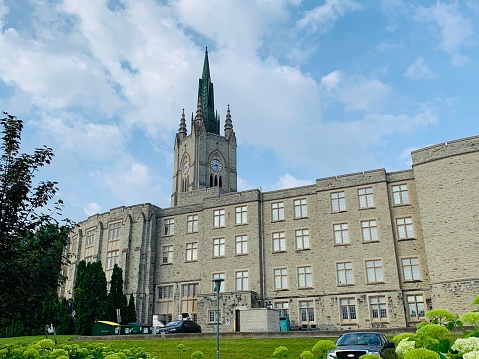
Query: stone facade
(357, 251)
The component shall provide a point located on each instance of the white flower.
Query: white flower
(466, 345)
(471, 355)
(404, 346)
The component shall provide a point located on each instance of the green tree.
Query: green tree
(116, 299)
(131, 310)
(31, 241)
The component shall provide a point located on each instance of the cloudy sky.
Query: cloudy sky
(316, 87)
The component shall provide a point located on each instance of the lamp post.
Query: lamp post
(217, 282)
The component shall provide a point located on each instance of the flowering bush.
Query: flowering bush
(322, 347)
(466, 345)
(368, 356)
(400, 337)
(471, 318)
(421, 353)
(280, 352)
(307, 355)
(471, 355)
(405, 346)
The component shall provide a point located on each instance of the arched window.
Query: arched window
(211, 180)
(216, 180)
(221, 181)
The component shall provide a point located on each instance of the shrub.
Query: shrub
(421, 353)
(368, 356)
(471, 355)
(280, 352)
(307, 355)
(197, 355)
(322, 347)
(400, 337)
(471, 318)
(466, 345)
(405, 346)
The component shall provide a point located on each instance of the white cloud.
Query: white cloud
(322, 17)
(418, 70)
(332, 80)
(92, 208)
(288, 181)
(455, 29)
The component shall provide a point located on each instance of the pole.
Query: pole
(217, 282)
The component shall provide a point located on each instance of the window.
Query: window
(415, 306)
(377, 307)
(369, 231)
(241, 245)
(112, 258)
(216, 276)
(345, 273)
(340, 233)
(374, 271)
(211, 316)
(169, 226)
(300, 208)
(90, 237)
(89, 259)
(277, 211)
(192, 223)
(338, 202)
(189, 299)
(302, 239)
(279, 242)
(241, 280)
(410, 269)
(218, 247)
(283, 308)
(306, 311)
(305, 277)
(218, 218)
(114, 231)
(400, 194)
(405, 228)
(280, 278)
(165, 292)
(167, 254)
(365, 196)
(241, 215)
(347, 307)
(191, 251)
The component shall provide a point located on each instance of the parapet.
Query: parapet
(445, 150)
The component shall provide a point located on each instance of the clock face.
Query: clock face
(216, 165)
(186, 167)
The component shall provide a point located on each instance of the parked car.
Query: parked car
(180, 326)
(353, 345)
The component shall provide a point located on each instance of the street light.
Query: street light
(217, 282)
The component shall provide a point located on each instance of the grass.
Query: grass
(229, 348)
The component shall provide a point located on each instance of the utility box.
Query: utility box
(284, 324)
(259, 320)
(103, 327)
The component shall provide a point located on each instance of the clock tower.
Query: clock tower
(204, 159)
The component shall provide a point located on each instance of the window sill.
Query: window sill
(305, 288)
(341, 244)
(302, 249)
(335, 212)
(277, 220)
(407, 239)
(218, 257)
(401, 204)
(412, 281)
(274, 252)
(346, 285)
(166, 264)
(366, 208)
(281, 289)
(241, 224)
(192, 261)
(368, 242)
(295, 218)
(241, 254)
(375, 283)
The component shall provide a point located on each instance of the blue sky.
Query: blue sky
(316, 88)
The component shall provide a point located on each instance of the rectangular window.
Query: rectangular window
(279, 242)
(306, 311)
(338, 202)
(345, 273)
(277, 211)
(114, 231)
(365, 196)
(282, 307)
(241, 280)
(241, 215)
(415, 306)
(216, 276)
(90, 237)
(300, 208)
(280, 278)
(340, 233)
(410, 269)
(374, 271)
(169, 226)
(211, 316)
(218, 247)
(189, 293)
(405, 228)
(191, 251)
(241, 245)
(167, 254)
(378, 310)
(112, 258)
(348, 310)
(218, 218)
(369, 231)
(89, 259)
(302, 239)
(165, 292)
(305, 277)
(192, 223)
(400, 194)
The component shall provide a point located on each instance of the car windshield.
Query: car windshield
(173, 324)
(359, 339)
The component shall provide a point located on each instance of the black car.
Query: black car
(353, 345)
(180, 326)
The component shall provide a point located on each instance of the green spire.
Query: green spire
(206, 94)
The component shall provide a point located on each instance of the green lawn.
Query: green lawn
(229, 348)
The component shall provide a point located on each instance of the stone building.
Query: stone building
(356, 251)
